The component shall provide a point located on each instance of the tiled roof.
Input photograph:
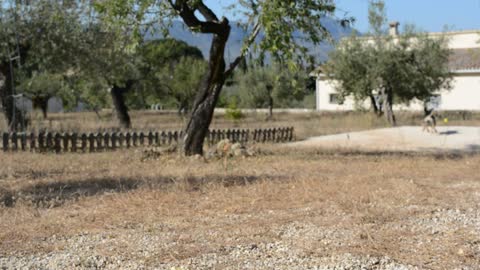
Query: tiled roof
(464, 59)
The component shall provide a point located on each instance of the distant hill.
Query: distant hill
(237, 35)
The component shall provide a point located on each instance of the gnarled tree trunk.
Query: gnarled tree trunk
(375, 108)
(41, 102)
(270, 102)
(207, 95)
(119, 104)
(388, 106)
(209, 90)
(15, 117)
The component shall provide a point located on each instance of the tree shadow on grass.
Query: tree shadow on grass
(53, 194)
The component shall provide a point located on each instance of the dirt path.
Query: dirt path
(408, 138)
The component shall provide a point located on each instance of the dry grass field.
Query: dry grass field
(281, 209)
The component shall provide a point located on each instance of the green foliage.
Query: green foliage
(171, 71)
(256, 86)
(377, 18)
(410, 66)
(233, 112)
(181, 80)
(354, 67)
(63, 47)
(157, 53)
(47, 85)
(282, 22)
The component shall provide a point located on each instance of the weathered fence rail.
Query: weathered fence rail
(60, 142)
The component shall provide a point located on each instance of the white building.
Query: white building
(464, 64)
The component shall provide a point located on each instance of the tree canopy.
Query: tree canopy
(170, 73)
(395, 69)
(269, 86)
(89, 48)
(37, 39)
(274, 27)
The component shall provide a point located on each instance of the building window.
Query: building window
(334, 99)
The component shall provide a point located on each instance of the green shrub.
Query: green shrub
(233, 112)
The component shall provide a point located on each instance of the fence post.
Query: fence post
(121, 139)
(141, 138)
(49, 141)
(41, 141)
(150, 138)
(32, 141)
(6, 138)
(134, 138)
(14, 141)
(238, 135)
(66, 137)
(114, 141)
(169, 134)
(106, 141)
(73, 137)
(157, 138)
(84, 142)
(57, 142)
(128, 139)
(99, 139)
(23, 141)
(228, 134)
(91, 142)
(175, 136)
(164, 137)
(290, 135)
(211, 137)
(232, 135)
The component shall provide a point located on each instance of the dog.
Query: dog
(430, 123)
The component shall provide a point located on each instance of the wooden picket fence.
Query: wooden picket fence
(59, 142)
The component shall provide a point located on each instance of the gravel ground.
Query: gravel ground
(407, 138)
(80, 253)
(91, 251)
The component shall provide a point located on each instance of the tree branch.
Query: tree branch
(188, 16)
(207, 12)
(246, 46)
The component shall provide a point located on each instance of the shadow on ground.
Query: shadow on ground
(53, 194)
(448, 132)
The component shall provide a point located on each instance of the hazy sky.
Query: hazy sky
(429, 15)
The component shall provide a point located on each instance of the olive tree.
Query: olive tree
(279, 21)
(170, 71)
(36, 37)
(398, 69)
(269, 86)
